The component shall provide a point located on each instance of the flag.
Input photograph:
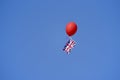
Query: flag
(69, 45)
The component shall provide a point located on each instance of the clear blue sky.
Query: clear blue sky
(32, 36)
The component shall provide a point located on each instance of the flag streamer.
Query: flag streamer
(69, 45)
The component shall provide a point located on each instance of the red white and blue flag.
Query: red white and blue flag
(69, 45)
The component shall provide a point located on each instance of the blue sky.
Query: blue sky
(32, 36)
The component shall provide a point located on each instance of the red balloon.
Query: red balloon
(71, 28)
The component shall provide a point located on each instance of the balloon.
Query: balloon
(71, 28)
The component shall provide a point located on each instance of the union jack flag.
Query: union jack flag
(69, 45)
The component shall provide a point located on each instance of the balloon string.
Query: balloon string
(70, 38)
